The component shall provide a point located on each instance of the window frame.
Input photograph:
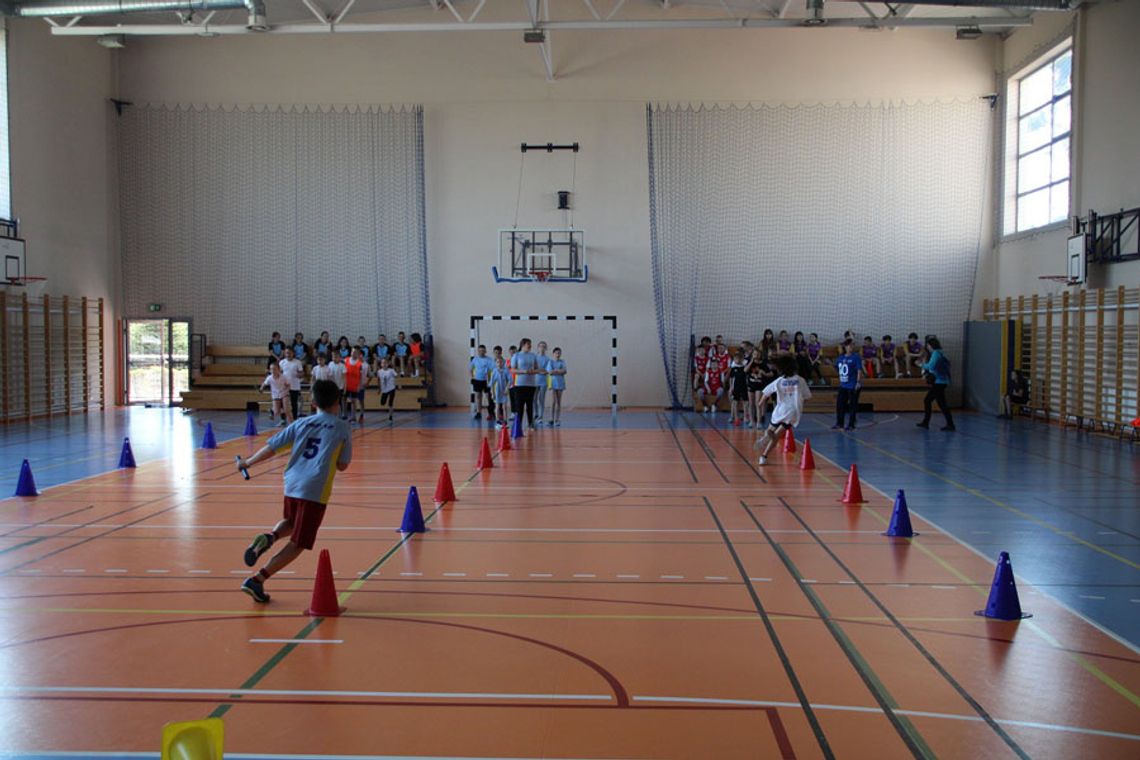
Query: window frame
(1014, 154)
(5, 128)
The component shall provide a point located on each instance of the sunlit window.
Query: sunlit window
(1043, 101)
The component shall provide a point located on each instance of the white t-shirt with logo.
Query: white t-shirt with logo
(337, 376)
(790, 393)
(278, 386)
(294, 372)
(387, 380)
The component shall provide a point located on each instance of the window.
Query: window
(1038, 131)
(5, 178)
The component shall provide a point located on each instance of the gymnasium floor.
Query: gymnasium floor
(628, 587)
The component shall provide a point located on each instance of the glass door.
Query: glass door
(158, 361)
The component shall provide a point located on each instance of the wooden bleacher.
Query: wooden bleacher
(887, 394)
(231, 378)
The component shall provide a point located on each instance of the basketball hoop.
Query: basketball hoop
(540, 276)
(32, 287)
(1057, 282)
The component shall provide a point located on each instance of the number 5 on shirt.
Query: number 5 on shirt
(312, 445)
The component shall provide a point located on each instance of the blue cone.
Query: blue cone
(413, 515)
(208, 441)
(250, 426)
(900, 519)
(127, 457)
(516, 427)
(26, 485)
(1003, 603)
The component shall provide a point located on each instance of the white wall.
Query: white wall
(62, 177)
(485, 93)
(1106, 149)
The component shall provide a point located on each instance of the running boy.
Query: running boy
(386, 379)
(317, 444)
(791, 391)
(278, 391)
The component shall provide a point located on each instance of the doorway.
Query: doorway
(157, 361)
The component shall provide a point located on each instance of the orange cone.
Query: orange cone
(324, 603)
(444, 490)
(807, 461)
(485, 461)
(505, 440)
(852, 491)
(789, 441)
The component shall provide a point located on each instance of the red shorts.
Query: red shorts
(306, 517)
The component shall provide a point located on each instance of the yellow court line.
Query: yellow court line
(1086, 664)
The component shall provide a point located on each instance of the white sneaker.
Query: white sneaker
(763, 461)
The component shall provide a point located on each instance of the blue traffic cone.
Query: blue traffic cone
(208, 441)
(26, 485)
(900, 519)
(127, 457)
(516, 427)
(413, 515)
(250, 426)
(1003, 603)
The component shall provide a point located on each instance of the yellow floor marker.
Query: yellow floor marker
(193, 740)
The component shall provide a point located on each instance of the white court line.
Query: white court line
(673, 577)
(620, 575)
(74, 570)
(591, 575)
(158, 571)
(547, 697)
(808, 580)
(1087, 596)
(29, 571)
(945, 588)
(498, 575)
(199, 572)
(876, 710)
(303, 693)
(412, 575)
(761, 580)
(846, 583)
(290, 572)
(455, 575)
(114, 570)
(716, 577)
(296, 641)
(541, 575)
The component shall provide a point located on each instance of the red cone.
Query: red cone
(789, 441)
(852, 491)
(807, 461)
(324, 603)
(444, 490)
(505, 439)
(485, 461)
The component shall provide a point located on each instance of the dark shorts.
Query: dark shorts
(479, 386)
(1018, 399)
(354, 395)
(740, 393)
(306, 517)
(387, 398)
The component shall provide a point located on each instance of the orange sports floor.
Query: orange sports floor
(598, 594)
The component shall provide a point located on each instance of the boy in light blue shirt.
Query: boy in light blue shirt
(541, 382)
(319, 446)
(481, 368)
(850, 369)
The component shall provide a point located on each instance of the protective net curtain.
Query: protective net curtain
(252, 220)
(815, 218)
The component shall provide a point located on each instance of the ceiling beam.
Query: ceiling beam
(925, 22)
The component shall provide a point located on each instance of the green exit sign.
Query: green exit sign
(154, 307)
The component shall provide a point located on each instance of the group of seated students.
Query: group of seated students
(745, 372)
(351, 367)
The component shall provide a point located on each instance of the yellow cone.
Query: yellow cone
(193, 740)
